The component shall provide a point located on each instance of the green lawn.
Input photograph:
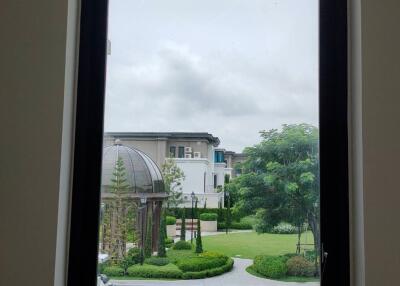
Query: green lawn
(250, 244)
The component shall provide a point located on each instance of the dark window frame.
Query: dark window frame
(85, 200)
(172, 154)
(179, 151)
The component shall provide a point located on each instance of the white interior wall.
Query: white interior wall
(375, 73)
(37, 73)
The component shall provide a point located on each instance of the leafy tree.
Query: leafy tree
(161, 239)
(281, 179)
(199, 244)
(183, 226)
(173, 178)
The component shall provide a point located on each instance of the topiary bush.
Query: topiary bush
(152, 271)
(170, 220)
(182, 245)
(158, 261)
(299, 266)
(113, 271)
(201, 263)
(270, 266)
(133, 256)
(208, 216)
(169, 242)
(209, 272)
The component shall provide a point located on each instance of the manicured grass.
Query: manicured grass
(250, 244)
(251, 271)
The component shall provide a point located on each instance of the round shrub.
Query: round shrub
(209, 272)
(152, 271)
(133, 256)
(208, 216)
(299, 266)
(182, 245)
(113, 271)
(200, 263)
(169, 242)
(270, 266)
(170, 220)
(158, 261)
(241, 225)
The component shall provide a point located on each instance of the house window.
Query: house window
(172, 151)
(181, 152)
(219, 157)
(215, 181)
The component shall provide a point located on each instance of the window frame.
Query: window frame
(85, 199)
(172, 154)
(179, 152)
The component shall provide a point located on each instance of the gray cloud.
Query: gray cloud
(183, 78)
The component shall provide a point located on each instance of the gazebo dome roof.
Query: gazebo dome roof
(141, 173)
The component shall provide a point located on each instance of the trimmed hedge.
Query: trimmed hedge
(182, 245)
(177, 212)
(270, 266)
(158, 261)
(208, 217)
(169, 242)
(170, 220)
(209, 272)
(235, 225)
(113, 271)
(299, 266)
(152, 271)
(200, 263)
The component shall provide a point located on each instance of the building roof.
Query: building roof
(169, 135)
(141, 173)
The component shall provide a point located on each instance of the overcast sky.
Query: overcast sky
(230, 68)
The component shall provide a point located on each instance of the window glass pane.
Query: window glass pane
(211, 143)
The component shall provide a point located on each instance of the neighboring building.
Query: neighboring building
(196, 154)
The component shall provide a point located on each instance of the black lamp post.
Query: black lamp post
(192, 195)
(142, 214)
(228, 215)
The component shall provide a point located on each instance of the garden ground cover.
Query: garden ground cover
(251, 271)
(250, 244)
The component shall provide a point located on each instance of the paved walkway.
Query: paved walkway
(237, 277)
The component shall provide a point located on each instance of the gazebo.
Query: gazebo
(131, 183)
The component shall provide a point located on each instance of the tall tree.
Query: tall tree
(148, 244)
(115, 217)
(183, 226)
(173, 178)
(161, 239)
(199, 243)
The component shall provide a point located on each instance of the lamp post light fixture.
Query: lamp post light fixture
(142, 215)
(193, 196)
(228, 214)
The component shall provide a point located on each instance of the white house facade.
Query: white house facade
(195, 153)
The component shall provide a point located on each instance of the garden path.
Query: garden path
(237, 277)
